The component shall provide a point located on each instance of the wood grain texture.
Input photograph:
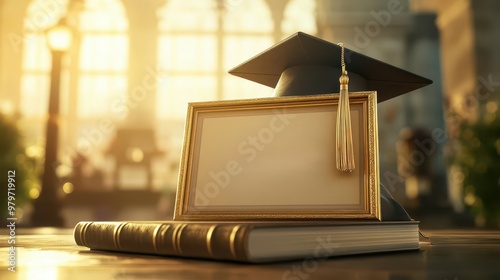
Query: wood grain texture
(53, 254)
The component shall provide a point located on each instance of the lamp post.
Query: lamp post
(47, 207)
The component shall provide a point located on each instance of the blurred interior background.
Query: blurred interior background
(119, 74)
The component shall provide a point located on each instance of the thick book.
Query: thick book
(249, 241)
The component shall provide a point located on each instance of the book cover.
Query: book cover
(248, 241)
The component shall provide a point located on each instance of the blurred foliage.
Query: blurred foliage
(13, 157)
(477, 155)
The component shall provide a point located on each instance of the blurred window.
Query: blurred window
(36, 63)
(103, 57)
(299, 16)
(101, 43)
(199, 42)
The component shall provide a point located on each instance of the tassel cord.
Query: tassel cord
(345, 148)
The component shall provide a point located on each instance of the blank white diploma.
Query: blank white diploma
(279, 159)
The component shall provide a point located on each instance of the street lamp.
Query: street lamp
(47, 207)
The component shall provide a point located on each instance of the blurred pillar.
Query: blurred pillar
(47, 207)
(455, 23)
(470, 42)
(424, 108)
(143, 78)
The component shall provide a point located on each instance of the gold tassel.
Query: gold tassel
(345, 149)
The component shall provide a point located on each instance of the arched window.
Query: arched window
(101, 43)
(103, 57)
(36, 65)
(199, 41)
(248, 26)
(186, 48)
(299, 15)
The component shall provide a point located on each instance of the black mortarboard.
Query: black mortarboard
(303, 64)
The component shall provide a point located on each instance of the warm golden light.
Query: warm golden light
(7, 108)
(68, 188)
(491, 107)
(135, 154)
(34, 151)
(412, 187)
(34, 193)
(44, 264)
(59, 37)
(63, 170)
(469, 199)
(41, 272)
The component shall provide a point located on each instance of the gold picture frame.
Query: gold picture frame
(274, 159)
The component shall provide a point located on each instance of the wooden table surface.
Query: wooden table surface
(47, 253)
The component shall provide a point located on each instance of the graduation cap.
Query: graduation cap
(305, 65)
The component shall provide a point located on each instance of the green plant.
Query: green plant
(13, 158)
(478, 158)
